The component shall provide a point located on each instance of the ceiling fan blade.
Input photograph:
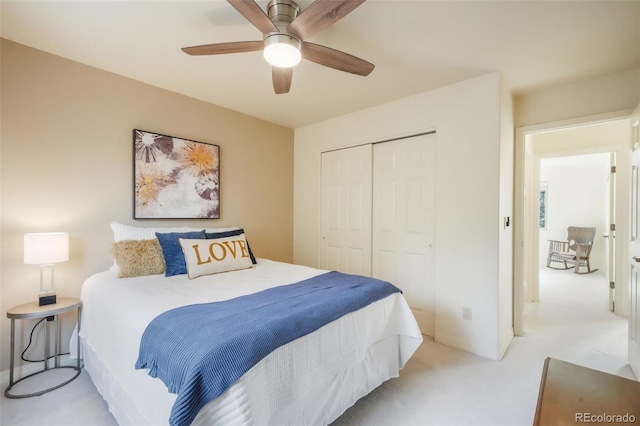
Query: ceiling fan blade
(321, 14)
(281, 79)
(254, 14)
(335, 59)
(220, 48)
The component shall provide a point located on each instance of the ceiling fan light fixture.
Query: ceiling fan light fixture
(282, 50)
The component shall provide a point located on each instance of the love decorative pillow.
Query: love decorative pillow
(206, 257)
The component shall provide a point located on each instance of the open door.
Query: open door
(634, 249)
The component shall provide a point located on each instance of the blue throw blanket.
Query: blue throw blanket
(199, 351)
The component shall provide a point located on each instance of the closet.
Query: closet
(378, 217)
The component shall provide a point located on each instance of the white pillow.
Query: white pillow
(206, 257)
(123, 232)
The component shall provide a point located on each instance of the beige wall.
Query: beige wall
(66, 165)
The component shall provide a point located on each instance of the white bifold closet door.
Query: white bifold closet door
(378, 217)
(346, 210)
(403, 236)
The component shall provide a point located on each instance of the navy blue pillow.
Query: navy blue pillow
(172, 251)
(233, 233)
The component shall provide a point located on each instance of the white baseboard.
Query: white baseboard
(464, 346)
(505, 344)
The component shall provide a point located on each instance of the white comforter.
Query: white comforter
(312, 380)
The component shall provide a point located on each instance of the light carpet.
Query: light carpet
(439, 385)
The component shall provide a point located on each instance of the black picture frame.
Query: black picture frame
(174, 178)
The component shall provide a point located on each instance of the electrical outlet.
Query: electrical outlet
(466, 313)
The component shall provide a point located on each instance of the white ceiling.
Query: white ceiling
(415, 45)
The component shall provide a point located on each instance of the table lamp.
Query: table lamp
(46, 249)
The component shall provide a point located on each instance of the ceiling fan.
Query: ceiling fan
(284, 28)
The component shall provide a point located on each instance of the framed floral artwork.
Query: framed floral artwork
(175, 178)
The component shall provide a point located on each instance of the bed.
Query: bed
(310, 380)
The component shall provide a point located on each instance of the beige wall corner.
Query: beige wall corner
(67, 162)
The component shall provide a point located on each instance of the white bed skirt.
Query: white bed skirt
(324, 403)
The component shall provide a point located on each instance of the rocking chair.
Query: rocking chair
(573, 253)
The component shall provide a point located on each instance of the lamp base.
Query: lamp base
(47, 299)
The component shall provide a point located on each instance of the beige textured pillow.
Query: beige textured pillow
(138, 257)
(212, 256)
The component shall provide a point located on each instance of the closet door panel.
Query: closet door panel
(385, 266)
(403, 222)
(333, 256)
(346, 210)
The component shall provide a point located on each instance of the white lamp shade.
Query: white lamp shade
(45, 248)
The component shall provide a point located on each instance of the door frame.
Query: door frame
(634, 299)
(524, 253)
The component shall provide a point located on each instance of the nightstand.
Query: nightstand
(32, 310)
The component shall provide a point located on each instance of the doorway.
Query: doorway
(592, 135)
